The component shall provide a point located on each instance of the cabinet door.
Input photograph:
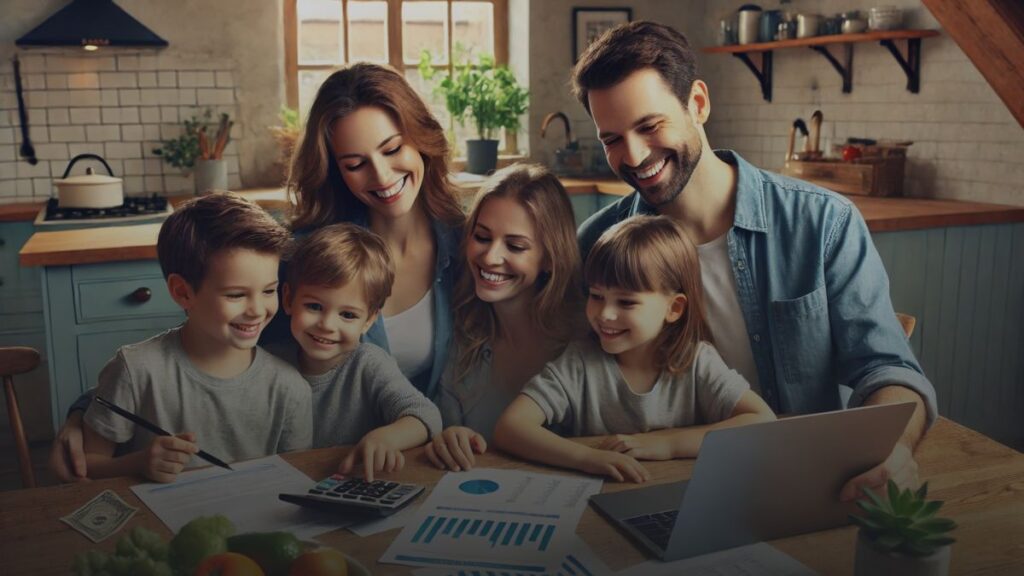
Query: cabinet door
(20, 290)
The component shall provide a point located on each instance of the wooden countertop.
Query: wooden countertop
(139, 242)
(980, 481)
(20, 212)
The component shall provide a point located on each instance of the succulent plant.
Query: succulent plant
(905, 523)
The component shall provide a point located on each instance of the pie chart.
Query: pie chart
(478, 486)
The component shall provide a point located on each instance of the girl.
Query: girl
(649, 380)
(372, 154)
(517, 301)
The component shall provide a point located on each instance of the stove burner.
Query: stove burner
(133, 206)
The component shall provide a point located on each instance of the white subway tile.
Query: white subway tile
(58, 116)
(102, 133)
(129, 97)
(38, 134)
(58, 98)
(147, 80)
(147, 62)
(122, 150)
(152, 166)
(167, 96)
(109, 98)
(206, 96)
(83, 98)
(169, 114)
(169, 131)
(79, 64)
(119, 80)
(40, 170)
(201, 79)
(34, 82)
(128, 62)
(149, 114)
(225, 80)
(8, 170)
(83, 80)
(67, 133)
(167, 79)
(151, 131)
(8, 188)
(24, 187)
(132, 133)
(134, 168)
(153, 183)
(85, 115)
(186, 97)
(149, 96)
(85, 148)
(177, 183)
(8, 152)
(42, 187)
(134, 185)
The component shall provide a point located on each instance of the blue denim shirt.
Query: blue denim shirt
(813, 290)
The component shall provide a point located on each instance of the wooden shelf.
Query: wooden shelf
(910, 63)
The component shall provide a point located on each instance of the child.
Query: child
(338, 281)
(219, 255)
(650, 379)
(517, 301)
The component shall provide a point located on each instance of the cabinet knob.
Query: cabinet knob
(2, 242)
(142, 295)
(1, 280)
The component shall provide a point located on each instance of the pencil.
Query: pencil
(155, 429)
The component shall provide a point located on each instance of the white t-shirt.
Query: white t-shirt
(411, 336)
(725, 318)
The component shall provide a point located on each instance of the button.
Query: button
(316, 491)
(333, 494)
(757, 337)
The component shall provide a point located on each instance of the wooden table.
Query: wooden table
(981, 481)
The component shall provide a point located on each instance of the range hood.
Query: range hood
(91, 24)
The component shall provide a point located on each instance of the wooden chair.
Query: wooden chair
(907, 322)
(14, 361)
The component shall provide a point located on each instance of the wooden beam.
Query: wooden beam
(291, 54)
(991, 34)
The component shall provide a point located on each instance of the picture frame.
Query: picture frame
(589, 23)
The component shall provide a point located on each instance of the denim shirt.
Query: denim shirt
(813, 290)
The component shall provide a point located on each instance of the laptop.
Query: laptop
(759, 482)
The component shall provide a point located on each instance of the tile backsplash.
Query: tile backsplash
(118, 105)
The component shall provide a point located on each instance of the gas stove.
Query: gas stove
(135, 210)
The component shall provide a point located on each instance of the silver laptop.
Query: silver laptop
(759, 482)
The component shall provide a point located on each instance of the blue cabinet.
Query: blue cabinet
(91, 311)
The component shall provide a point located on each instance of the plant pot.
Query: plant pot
(869, 561)
(210, 175)
(481, 156)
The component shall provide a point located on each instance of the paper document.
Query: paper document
(503, 520)
(759, 559)
(399, 519)
(578, 560)
(247, 496)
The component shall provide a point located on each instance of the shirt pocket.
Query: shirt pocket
(803, 339)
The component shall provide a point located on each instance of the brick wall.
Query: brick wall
(118, 105)
(967, 145)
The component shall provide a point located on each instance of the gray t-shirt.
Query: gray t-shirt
(474, 401)
(364, 392)
(262, 411)
(583, 393)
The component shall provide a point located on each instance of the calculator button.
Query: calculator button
(391, 485)
(349, 496)
(333, 495)
(368, 499)
(316, 492)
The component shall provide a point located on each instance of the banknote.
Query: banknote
(101, 516)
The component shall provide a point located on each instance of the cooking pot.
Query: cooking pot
(89, 190)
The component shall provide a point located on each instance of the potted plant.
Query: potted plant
(901, 535)
(485, 92)
(195, 150)
(286, 135)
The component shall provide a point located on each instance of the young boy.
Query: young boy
(206, 378)
(337, 283)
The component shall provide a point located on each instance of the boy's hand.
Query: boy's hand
(639, 446)
(376, 453)
(168, 455)
(453, 448)
(619, 467)
(67, 456)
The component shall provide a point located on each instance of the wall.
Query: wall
(967, 146)
(121, 103)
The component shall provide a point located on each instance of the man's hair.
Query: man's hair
(341, 253)
(631, 47)
(203, 226)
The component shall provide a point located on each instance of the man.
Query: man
(798, 299)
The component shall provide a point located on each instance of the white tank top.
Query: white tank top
(725, 318)
(411, 336)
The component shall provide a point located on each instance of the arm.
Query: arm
(520, 431)
(67, 457)
(380, 449)
(162, 461)
(686, 442)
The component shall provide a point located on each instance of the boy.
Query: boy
(337, 283)
(219, 255)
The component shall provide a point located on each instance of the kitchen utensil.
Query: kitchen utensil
(769, 25)
(853, 23)
(786, 30)
(749, 21)
(90, 190)
(727, 32)
(26, 151)
(807, 25)
(814, 142)
(885, 18)
(798, 124)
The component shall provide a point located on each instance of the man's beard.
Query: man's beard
(683, 163)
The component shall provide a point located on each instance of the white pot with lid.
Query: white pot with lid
(89, 190)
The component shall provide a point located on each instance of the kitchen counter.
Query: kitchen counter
(139, 242)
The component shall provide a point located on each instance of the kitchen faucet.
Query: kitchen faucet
(570, 143)
(568, 160)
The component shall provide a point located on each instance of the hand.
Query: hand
(453, 448)
(376, 453)
(900, 466)
(168, 455)
(619, 467)
(67, 456)
(639, 446)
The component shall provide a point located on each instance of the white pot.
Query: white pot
(89, 190)
(871, 562)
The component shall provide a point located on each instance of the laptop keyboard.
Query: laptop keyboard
(656, 527)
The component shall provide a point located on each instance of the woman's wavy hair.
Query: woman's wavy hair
(653, 254)
(557, 303)
(314, 179)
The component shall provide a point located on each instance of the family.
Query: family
(716, 294)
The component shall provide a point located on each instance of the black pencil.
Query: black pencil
(155, 429)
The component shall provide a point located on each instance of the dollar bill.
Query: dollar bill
(101, 516)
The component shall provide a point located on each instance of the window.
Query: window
(323, 35)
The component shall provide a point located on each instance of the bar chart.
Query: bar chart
(454, 530)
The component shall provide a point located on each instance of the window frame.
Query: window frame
(291, 39)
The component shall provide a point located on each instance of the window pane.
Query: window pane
(368, 32)
(473, 32)
(320, 32)
(309, 83)
(457, 135)
(425, 27)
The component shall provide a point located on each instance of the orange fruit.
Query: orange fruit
(319, 562)
(228, 564)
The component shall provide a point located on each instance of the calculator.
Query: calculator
(337, 493)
